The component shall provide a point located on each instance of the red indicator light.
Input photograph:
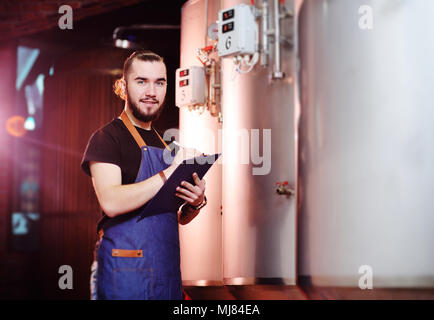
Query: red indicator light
(228, 14)
(183, 83)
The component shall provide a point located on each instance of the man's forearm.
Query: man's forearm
(121, 199)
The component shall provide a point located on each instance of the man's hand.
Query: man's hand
(192, 194)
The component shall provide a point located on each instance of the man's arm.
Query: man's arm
(194, 195)
(116, 199)
(186, 214)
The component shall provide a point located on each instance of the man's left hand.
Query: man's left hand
(192, 194)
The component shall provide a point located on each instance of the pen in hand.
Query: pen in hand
(191, 151)
(178, 144)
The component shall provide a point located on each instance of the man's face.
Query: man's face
(146, 89)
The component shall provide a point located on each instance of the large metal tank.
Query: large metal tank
(366, 142)
(259, 226)
(201, 239)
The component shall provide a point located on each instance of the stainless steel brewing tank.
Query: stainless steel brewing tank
(201, 239)
(259, 226)
(366, 142)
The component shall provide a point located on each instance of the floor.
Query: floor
(303, 292)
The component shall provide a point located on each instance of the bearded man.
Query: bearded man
(137, 258)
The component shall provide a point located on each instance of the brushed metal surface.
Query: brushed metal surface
(201, 239)
(259, 226)
(366, 142)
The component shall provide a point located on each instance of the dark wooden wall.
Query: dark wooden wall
(8, 67)
(78, 100)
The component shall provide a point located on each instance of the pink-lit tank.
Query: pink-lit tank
(201, 239)
(366, 152)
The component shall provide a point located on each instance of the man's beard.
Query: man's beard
(139, 115)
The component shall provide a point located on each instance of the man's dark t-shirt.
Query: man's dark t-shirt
(114, 144)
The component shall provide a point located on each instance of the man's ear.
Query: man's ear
(123, 85)
(120, 88)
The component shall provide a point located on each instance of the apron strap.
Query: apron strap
(135, 133)
(165, 145)
(126, 120)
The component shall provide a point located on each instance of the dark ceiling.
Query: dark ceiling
(34, 24)
(93, 20)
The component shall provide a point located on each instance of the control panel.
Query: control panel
(190, 86)
(237, 31)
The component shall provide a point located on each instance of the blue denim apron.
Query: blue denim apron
(140, 258)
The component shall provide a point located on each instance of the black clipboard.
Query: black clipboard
(165, 199)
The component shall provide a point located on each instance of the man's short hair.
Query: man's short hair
(143, 55)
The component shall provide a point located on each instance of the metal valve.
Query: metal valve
(282, 188)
